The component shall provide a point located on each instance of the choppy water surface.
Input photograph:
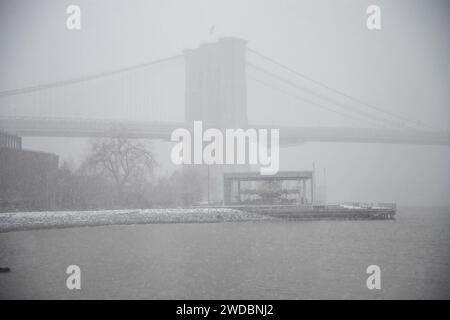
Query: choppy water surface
(243, 260)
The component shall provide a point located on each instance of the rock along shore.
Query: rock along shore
(16, 221)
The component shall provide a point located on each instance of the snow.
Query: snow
(61, 219)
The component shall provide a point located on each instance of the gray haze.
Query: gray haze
(403, 68)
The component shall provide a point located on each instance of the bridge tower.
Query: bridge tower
(216, 94)
(215, 85)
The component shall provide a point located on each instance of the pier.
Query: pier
(290, 195)
(324, 211)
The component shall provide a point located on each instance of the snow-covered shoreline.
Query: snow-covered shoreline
(16, 221)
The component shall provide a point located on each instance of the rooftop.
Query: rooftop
(282, 175)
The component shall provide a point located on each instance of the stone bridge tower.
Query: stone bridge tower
(216, 93)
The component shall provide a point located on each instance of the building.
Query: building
(27, 178)
(252, 188)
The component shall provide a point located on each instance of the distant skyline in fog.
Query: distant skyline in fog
(403, 68)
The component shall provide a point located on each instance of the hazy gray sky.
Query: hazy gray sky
(403, 68)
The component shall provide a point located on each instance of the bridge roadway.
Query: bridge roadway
(84, 128)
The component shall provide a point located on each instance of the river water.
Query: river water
(237, 260)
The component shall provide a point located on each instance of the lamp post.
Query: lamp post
(208, 187)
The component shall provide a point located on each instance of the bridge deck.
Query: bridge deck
(62, 127)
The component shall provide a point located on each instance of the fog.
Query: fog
(404, 68)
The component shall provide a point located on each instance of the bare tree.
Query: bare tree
(123, 160)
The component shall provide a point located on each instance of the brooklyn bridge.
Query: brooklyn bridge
(150, 100)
